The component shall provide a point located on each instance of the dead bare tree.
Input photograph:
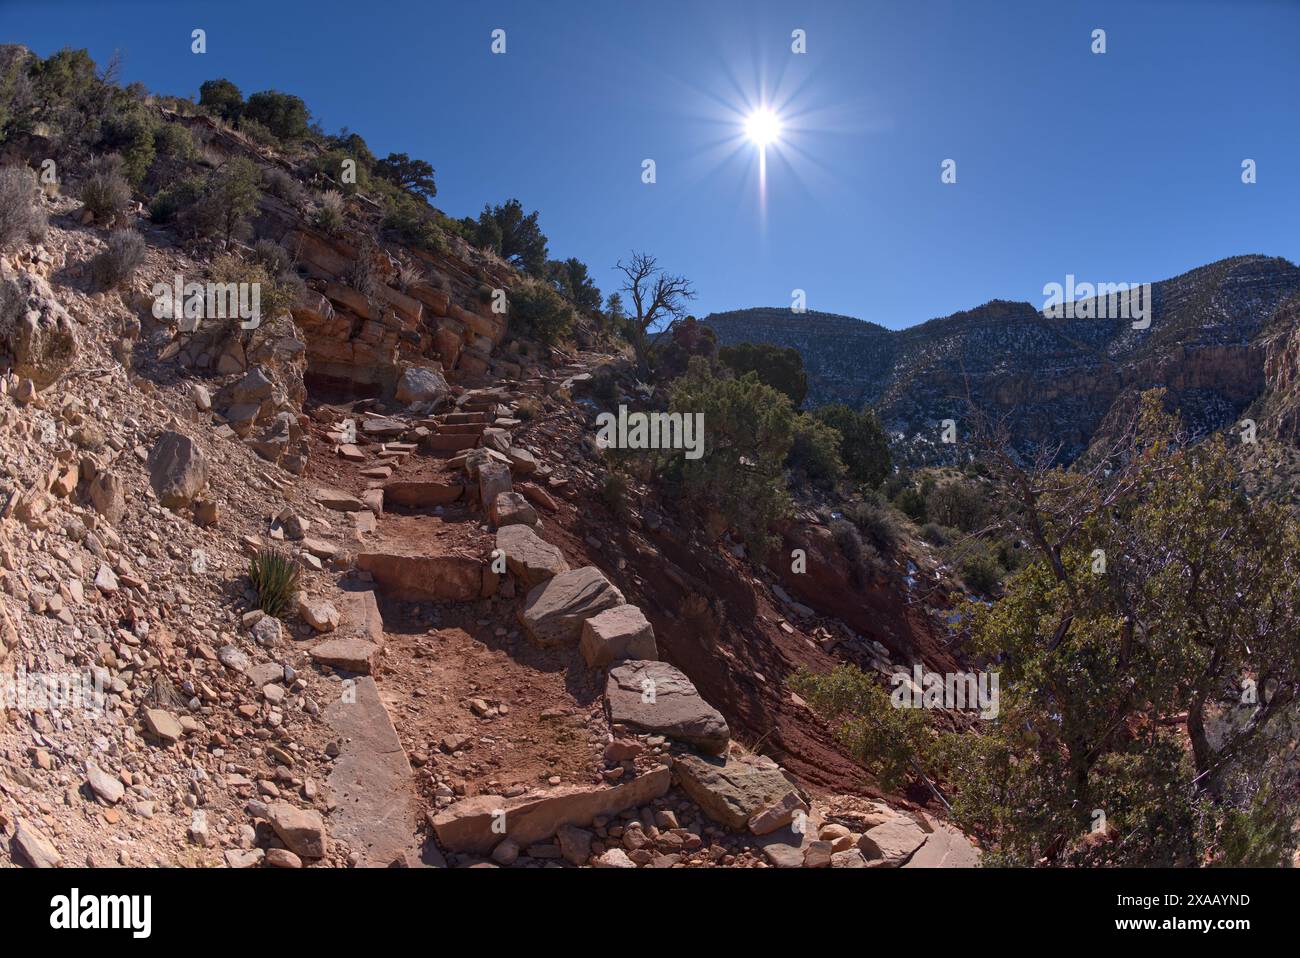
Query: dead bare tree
(656, 296)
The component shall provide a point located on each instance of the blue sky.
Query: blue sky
(1120, 167)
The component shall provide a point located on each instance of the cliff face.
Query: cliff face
(1218, 341)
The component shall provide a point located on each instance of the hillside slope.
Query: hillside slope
(1054, 380)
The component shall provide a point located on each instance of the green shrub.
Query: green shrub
(958, 504)
(273, 256)
(174, 141)
(613, 490)
(258, 133)
(129, 131)
(176, 198)
(936, 534)
(864, 446)
(22, 217)
(330, 215)
(814, 453)
(515, 237)
(860, 556)
(283, 114)
(911, 503)
(979, 567)
(106, 192)
(778, 367)
(276, 293)
(538, 311)
(117, 262)
(330, 165)
(281, 185)
(687, 337)
(229, 198)
(413, 223)
(222, 98)
(604, 389)
(748, 430)
(876, 521)
(275, 578)
(886, 739)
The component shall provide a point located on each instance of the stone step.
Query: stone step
(412, 577)
(418, 494)
(473, 824)
(462, 428)
(676, 709)
(462, 417)
(377, 811)
(449, 442)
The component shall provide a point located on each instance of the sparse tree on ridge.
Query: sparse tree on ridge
(656, 296)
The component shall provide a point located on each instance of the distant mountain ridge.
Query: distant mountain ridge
(1212, 332)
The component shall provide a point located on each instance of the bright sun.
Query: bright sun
(762, 127)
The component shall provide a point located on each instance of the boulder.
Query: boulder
(280, 435)
(319, 614)
(735, 790)
(107, 496)
(523, 462)
(575, 844)
(779, 814)
(301, 830)
(254, 389)
(493, 479)
(615, 634)
(422, 384)
(657, 698)
(31, 845)
(613, 858)
(371, 782)
(511, 509)
(178, 470)
(36, 333)
(528, 556)
(554, 611)
(108, 788)
(163, 726)
(818, 854)
(496, 439)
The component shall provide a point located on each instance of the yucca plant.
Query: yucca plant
(275, 577)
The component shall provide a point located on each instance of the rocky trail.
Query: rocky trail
(487, 663)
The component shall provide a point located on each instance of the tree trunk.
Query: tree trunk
(1202, 754)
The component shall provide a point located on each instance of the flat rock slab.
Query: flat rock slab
(378, 426)
(946, 847)
(377, 812)
(528, 556)
(349, 655)
(425, 578)
(337, 500)
(421, 495)
(30, 845)
(733, 790)
(657, 698)
(467, 826)
(360, 616)
(892, 844)
(554, 611)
